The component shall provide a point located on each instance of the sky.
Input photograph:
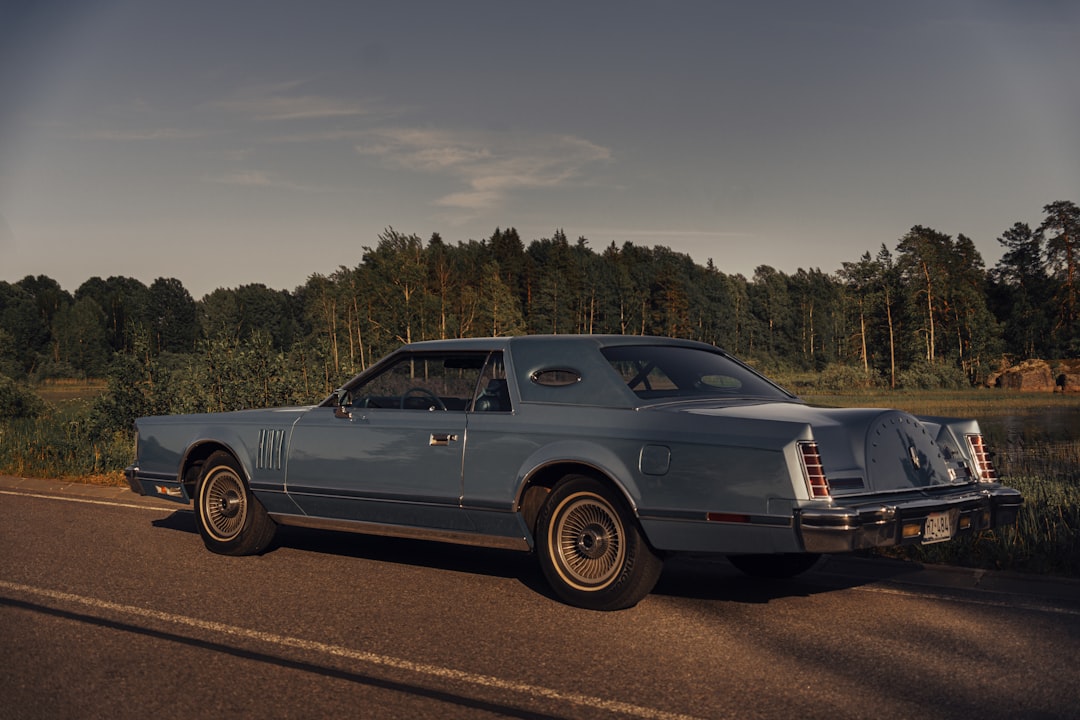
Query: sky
(228, 143)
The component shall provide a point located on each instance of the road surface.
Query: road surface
(111, 607)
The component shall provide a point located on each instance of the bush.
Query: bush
(933, 376)
(839, 378)
(18, 401)
(61, 444)
(53, 370)
(137, 387)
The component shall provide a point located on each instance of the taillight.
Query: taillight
(983, 464)
(813, 471)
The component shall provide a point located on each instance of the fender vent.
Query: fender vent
(270, 443)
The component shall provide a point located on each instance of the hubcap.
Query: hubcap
(226, 504)
(593, 541)
(229, 504)
(587, 540)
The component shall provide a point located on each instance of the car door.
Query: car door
(392, 452)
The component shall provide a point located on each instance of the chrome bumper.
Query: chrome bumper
(165, 487)
(843, 528)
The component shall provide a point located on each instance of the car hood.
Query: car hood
(862, 449)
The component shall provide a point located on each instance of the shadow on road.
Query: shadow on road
(714, 578)
(183, 520)
(698, 577)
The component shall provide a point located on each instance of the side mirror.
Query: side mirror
(342, 400)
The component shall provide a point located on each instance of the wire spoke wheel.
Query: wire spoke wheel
(590, 547)
(225, 504)
(588, 540)
(230, 518)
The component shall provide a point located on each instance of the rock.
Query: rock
(1029, 376)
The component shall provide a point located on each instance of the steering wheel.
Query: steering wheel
(422, 391)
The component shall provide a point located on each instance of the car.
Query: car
(600, 454)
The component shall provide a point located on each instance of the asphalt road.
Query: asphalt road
(110, 607)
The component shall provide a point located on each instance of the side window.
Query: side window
(427, 382)
(492, 393)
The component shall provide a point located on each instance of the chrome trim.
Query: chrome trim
(404, 531)
(131, 474)
(698, 516)
(537, 375)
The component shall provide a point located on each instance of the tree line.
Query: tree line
(926, 312)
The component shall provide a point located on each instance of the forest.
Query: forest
(924, 313)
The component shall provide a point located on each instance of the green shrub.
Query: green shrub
(1046, 538)
(18, 400)
(933, 376)
(61, 444)
(137, 387)
(842, 378)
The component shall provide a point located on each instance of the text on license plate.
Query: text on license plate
(937, 528)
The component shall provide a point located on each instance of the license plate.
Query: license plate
(937, 528)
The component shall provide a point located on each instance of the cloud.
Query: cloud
(149, 135)
(490, 164)
(278, 102)
(260, 179)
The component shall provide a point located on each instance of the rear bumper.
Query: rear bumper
(843, 528)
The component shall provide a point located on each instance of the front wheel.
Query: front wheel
(231, 520)
(590, 547)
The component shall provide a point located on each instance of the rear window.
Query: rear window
(656, 372)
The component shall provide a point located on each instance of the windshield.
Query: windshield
(656, 372)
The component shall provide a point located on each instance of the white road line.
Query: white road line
(485, 681)
(112, 503)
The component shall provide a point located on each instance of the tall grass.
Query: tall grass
(60, 443)
(1046, 537)
(57, 438)
(1045, 468)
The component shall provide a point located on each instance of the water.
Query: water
(1044, 425)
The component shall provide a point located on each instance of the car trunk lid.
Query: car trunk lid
(862, 450)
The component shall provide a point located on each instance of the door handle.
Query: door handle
(442, 439)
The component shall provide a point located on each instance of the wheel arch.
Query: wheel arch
(195, 458)
(541, 480)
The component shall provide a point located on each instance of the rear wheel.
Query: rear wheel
(775, 566)
(590, 547)
(231, 520)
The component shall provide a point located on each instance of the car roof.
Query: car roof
(501, 343)
(598, 384)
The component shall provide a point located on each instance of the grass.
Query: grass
(59, 444)
(60, 392)
(1043, 464)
